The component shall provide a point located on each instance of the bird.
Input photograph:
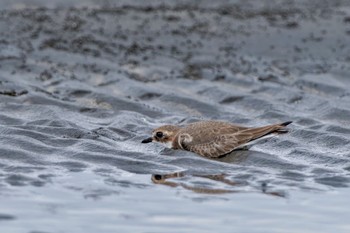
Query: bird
(211, 138)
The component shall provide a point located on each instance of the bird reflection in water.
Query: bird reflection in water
(164, 180)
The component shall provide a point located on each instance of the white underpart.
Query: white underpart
(168, 144)
(187, 138)
(184, 138)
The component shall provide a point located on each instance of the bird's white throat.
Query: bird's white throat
(168, 144)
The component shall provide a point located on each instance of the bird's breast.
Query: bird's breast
(169, 144)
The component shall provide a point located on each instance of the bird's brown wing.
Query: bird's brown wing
(213, 144)
(207, 131)
(209, 138)
(219, 146)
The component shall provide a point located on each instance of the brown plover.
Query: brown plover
(211, 139)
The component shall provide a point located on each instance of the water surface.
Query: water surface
(82, 84)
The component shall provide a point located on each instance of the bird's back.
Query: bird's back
(208, 131)
(216, 138)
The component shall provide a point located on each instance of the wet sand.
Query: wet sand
(81, 84)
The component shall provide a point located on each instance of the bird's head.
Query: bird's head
(164, 134)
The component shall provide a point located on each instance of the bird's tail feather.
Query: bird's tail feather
(265, 130)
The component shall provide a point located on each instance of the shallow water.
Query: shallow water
(80, 87)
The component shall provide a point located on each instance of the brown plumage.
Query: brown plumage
(211, 138)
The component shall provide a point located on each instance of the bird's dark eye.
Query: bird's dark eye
(159, 134)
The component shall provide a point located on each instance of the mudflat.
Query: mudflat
(81, 84)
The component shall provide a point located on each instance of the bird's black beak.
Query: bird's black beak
(147, 140)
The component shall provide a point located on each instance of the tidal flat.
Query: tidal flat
(82, 83)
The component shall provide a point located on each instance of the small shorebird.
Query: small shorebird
(211, 139)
